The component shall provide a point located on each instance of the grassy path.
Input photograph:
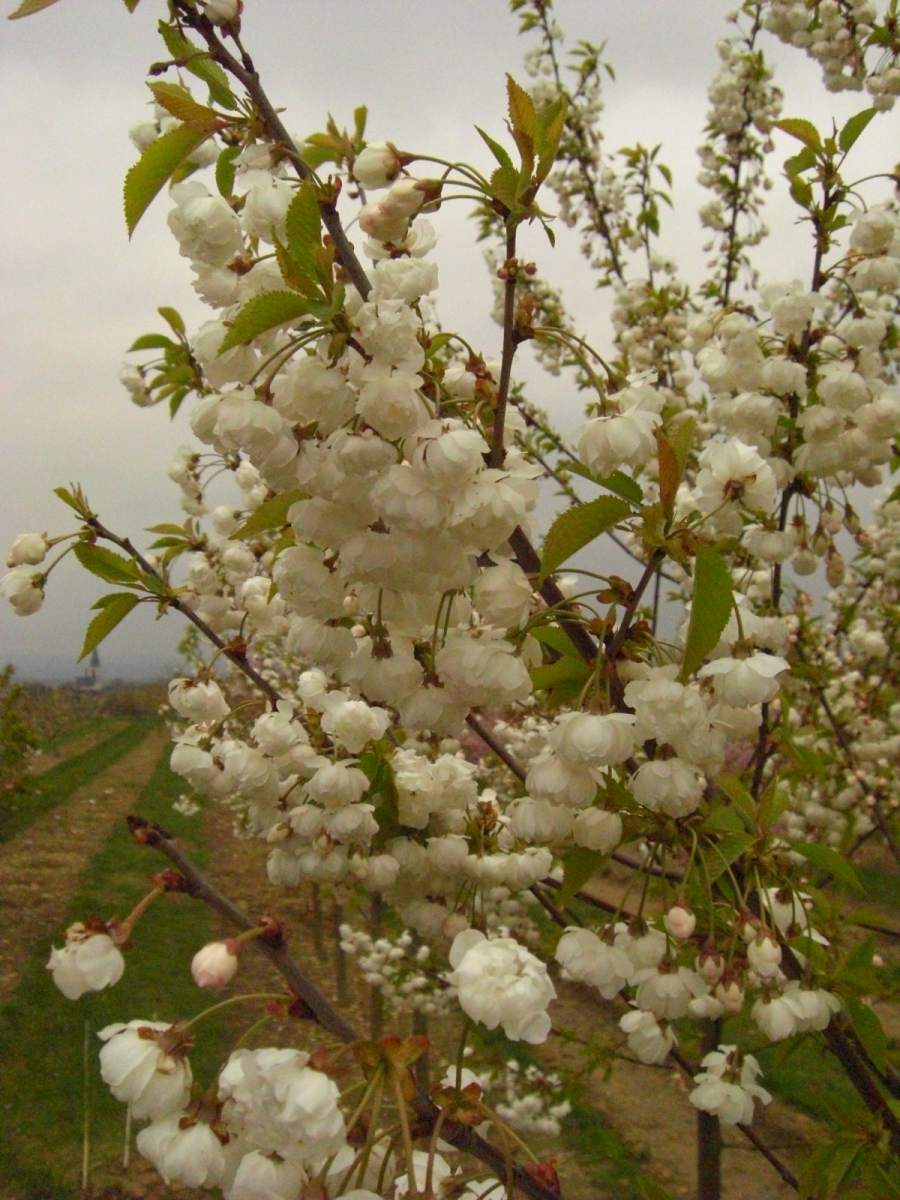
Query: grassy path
(40, 793)
(42, 1034)
(40, 866)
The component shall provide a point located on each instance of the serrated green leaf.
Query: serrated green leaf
(226, 165)
(854, 127)
(180, 103)
(272, 514)
(800, 162)
(265, 311)
(303, 221)
(617, 481)
(152, 341)
(577, 527)
(495, 148)
(107, 565)
(551, 122)
(579, 865)
(727, 849)
(197, 61)
(303, 229)
(803, 131)
(360, 117)
(154, 168)
(29, 7)
(522, 115)
(505, 186)
(114, 610)
(710, 608)
(868, 1029)
(834, 864)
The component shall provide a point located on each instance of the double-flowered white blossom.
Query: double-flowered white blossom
(499, 982)
(145, 1065)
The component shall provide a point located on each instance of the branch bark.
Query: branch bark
(321, 1009)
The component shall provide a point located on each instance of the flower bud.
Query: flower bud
(377, 165)
(216, 964)
(680, 922)
(30, 548)
(730, 994)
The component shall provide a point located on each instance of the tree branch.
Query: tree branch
(462, 1137)
(237, 657)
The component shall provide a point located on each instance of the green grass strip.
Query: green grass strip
(42, 1033)
(38, 794)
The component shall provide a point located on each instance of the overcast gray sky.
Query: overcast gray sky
(76, 292)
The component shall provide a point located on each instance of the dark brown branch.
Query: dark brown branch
(497, 454)
(323, 1011)
(494, 743)
(247, 76)
(235, 656)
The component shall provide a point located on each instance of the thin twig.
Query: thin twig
(322, 1010)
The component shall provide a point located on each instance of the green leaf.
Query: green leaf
(180, 103)
(198, 62)
(112, 568)
(360, 117)
(265, 311)
(802, 161)
(801, 191)
(272, 514)
(28, 7)
(521, 108)
(803, 131)
(834, 864)
(505, 186)
(551, 122)
(225, 170)
(736, 792)
(303, 228)
(727, 848)
(681, 438)
(869, 1031)
(854, 127)
(579, 865)
(152, 341)
(495, 148)
(154, 168)
(710, 608)
(577, 527)
(172, 318)
(564, 670)
(856, 972)
(115, 608)
(303, 221)
(75, 498)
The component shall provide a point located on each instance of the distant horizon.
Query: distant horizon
(59, 668)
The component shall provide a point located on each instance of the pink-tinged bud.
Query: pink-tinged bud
(216, 964)
(730, 995)
(680, 922)
(710, 965)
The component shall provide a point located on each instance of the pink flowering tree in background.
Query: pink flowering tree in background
(394, 685)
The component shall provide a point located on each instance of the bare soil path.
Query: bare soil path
(40, 867)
